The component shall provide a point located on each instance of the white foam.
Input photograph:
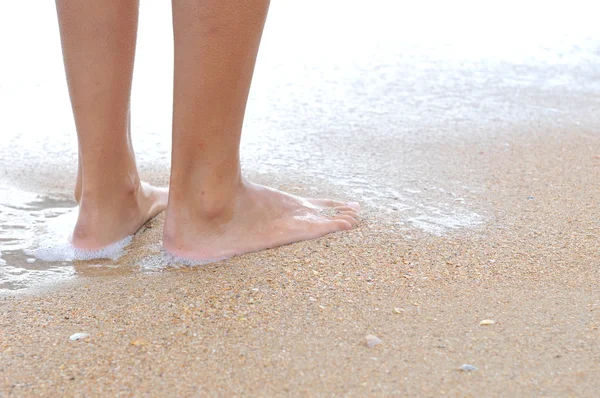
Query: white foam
(438, 223)
(65, 251)
(163, 260)
(52, 242)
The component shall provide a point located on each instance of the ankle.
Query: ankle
(122, 190)
(207, 202)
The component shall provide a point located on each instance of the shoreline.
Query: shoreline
(293, 320)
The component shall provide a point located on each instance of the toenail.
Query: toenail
(354, 205)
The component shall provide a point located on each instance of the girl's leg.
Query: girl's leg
(213, 211)
(98, 41)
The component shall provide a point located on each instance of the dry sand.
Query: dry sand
(293, 321)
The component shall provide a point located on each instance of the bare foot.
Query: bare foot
(111, 217)
(256, 218)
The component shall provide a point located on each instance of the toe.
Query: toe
(354, 205)
(326, 203)
(341, 224)
(321, 228)
(350, 213)
(353, 221)
(344, 208)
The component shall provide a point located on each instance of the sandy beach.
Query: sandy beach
(293, 320)
(478, 172)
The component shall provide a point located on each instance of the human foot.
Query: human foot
(255, 218)
(110, 217)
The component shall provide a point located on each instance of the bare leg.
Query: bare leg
(213, 211)
(98, 41)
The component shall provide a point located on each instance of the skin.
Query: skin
(98, 42)
(213, 211)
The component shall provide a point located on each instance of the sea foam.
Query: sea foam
(65, 251)
(162, 260)
(52, 242)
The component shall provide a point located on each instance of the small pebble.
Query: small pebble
(467, 368)
(78, 336)
(139, 342)
(398, 310)
(487, 322)
(372, 341)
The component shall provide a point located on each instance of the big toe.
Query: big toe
(325, 203)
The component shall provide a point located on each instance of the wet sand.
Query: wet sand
(293, 320)
(476, 160)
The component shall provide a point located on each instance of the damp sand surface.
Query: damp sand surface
(294, 320)
(477, 166)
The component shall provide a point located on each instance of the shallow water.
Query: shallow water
(23, 218)
(346, 99)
